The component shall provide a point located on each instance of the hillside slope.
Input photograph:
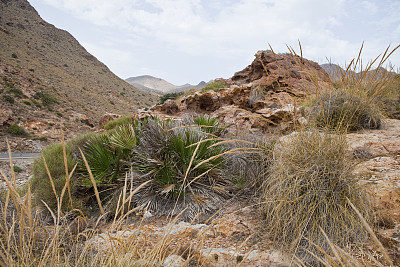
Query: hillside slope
(46, 76)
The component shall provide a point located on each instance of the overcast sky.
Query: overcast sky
(187, 41)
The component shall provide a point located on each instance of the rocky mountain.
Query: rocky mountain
(332, 69)
(152, 84)
(49, 82)
(335, 71)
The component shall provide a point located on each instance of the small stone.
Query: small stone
(174, 261)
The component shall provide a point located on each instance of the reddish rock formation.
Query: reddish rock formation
(260, 97)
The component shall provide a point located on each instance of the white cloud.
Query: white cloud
(222, 29)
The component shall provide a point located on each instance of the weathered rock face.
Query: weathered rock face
(259, 98)
(282, 73)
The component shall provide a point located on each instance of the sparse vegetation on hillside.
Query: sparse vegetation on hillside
(17, 130)
(8, 98)
(36, 57)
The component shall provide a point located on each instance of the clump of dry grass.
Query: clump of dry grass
(306, 194)
(348, 110)
(358, 96)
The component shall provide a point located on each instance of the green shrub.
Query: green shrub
(107, 154)
(214, 85)
(8, 99)
(103, 161)
(346, 110)
(27, 102)
(41, 185)
(172, 96)
(307, 190)
(16, 130)
(47, 99)
(120, 121)
(14, 55)
(59, 114)
(17, 169)
(17, 92)
(211, 124)
(163, 156)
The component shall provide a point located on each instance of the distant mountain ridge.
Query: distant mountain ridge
(335, 71)
(153, 84)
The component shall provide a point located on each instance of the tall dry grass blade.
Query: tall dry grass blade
(49, 175)
(5, 209)
(118, 208)
(66, 169)
(332, 246)
(385, 58)
(96, 192)
(51, 212)
(129, 198)
(65, 187)
(190, 164)
(301, 52)
(19, 204)
(124, 190)
(359, 56)
(11, 163)
(223, 154)
(372, 234)
(28, 204)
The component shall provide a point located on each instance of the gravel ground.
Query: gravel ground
(22, 177)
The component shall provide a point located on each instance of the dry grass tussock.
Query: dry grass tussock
(306, 194)
(358, 99)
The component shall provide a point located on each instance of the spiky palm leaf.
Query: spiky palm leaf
(167, 155)
(104, 161)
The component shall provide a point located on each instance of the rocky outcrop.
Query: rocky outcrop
(259, 98)
(283, 73)
(106, 118)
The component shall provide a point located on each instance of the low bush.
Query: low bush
(214, 85)
(17, 92)
(210, 124)
(41, 183)
(8, 99)
(307, 191)
(47, 99)
(120, 121)
(17, 169)
(172, 96)
(16, 130)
